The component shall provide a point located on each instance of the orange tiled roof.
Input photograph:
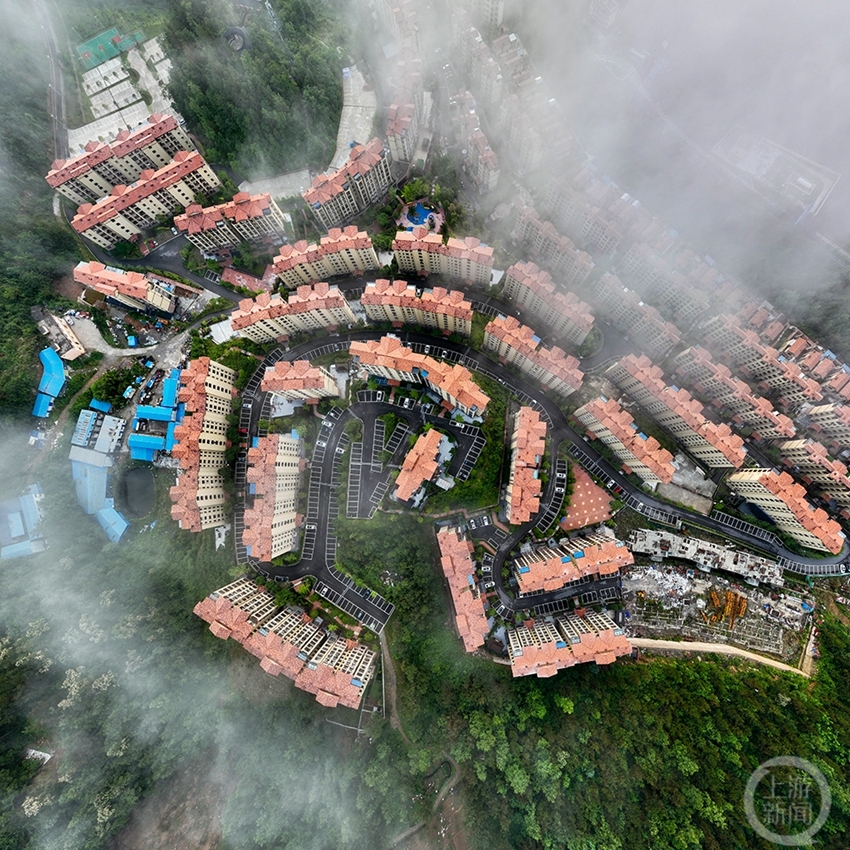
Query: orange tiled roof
(337, 240)
(362, 159)
(292, 375)
(149, 182)
(551, 569)
(125, 142)
(456, 561)
(530, 439)
(399, 293)
(521, 339)
(419, 465)
(540, 283)
(421, 239)
(646, 449)
(111, 281)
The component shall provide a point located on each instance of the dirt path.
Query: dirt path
(719, 648)
(390, 682)
(807, 662)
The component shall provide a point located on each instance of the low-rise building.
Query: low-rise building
(343, 251)
(364, 180)
(199, 496)
(543, 647)
(419, 251)
(548, 568)
(528, 444)
(135, 291)
(245, 218)
(516, 343)
(420, 465)
(270, 519)
(287, 641)
(21, 529)
(129, 209)
(387, 358)
(402, 304)
(607, 421)
(785, 502)
(271, 317)
(459, 570)
(677, 412)
(531, 289)
(294, 379)
(707, 556)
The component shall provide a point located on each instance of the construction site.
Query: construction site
(676, 601)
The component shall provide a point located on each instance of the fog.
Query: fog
(777, 70)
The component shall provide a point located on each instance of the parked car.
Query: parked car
(489, 585)
(321, 444)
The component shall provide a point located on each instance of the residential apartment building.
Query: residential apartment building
(398, 302)
(479, 64)
(298, 379)
(678, 413)
(607, 421)
(672, 292)
(482, 162)
(543, 647)
(346, 251)
(809, 461)
(524, 488)
(552, 249)
(642, 323)
(459, 568)
(406, 109)
(422, 252)
(387, 358)
(786, 504)
(530, 288)
(129, 209)
(245, 218)
(135, 291)
(581, 217)
(401, 20)
(487, 15)
(364, 180)
(270, 317)
(830, 421)
(101, 167)
(548, 568)
(337, 671)
(419, 466)
(273, 475)
(206, 391)
(516, 343)
(714, 382)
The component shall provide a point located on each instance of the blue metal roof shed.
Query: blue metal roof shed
(41, 408)
(158, 414)
(113, 524)
(102, 406)
(53, 378)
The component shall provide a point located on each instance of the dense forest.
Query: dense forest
(272, 108)
(104, 665)
(35, 247)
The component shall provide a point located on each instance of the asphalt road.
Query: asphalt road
(55, 91)
(374, 608)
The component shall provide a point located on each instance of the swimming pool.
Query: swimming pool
(418, 214)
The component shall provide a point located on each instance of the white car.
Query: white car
(340, 450)
(321, 444)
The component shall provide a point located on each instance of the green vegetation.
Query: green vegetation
(272, 108)
(481, 489)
